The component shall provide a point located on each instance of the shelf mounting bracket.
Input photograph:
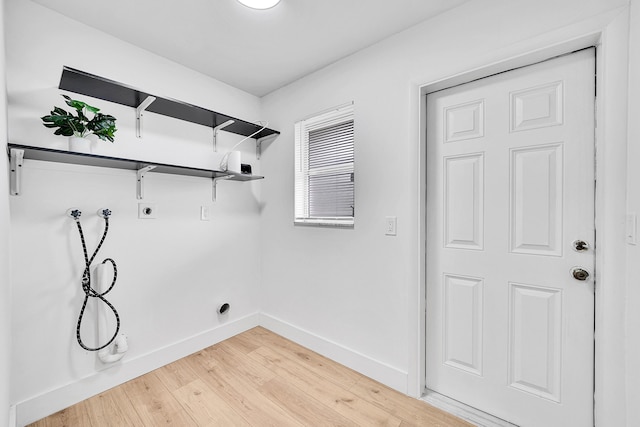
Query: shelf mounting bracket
(259, 142)
(140, 182)
(15, 178)
(215, 183)
(139, 113)
(215, 132)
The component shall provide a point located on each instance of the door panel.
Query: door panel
(463, 204)
(464, 121)
(463, 323)
(535, 340)
(510, 186)
(536, 200)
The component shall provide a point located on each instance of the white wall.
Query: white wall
(172, 271)
(5, 289)
(365, 304)
(633, 205)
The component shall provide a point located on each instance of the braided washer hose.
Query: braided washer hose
(89, 292)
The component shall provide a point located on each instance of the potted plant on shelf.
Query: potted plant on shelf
(78, 126)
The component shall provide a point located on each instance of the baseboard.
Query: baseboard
(365, 365)
(57, 399)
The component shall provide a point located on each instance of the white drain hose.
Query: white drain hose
(120, 343)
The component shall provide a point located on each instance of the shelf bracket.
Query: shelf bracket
(259, 142)
(140, 183)
(139, 113)
(216, 130)
(215, 183)
(15, 178)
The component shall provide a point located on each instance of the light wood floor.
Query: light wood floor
(254, 379)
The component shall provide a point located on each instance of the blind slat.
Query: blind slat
(331, 145)
(331, 195)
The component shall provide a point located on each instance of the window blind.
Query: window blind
(331, 171)
(325, 169)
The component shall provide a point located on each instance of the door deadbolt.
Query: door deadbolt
(580, 246)
(580, 273)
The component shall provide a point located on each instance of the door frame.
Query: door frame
(609, 34)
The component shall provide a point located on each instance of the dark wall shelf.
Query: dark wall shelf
(18, 152)
(98, 87)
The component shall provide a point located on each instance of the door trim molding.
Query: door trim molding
(609, 33)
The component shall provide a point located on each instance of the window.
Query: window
(324, 193)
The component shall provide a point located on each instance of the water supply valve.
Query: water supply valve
(104, 213)
(74, 213)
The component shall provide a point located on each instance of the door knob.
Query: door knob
(579, 273)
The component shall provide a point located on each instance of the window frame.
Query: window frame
(333, 117)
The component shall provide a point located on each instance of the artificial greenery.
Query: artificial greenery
(101, 125)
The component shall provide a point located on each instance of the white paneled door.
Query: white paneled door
(510, 243)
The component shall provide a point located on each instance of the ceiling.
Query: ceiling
(257, 51)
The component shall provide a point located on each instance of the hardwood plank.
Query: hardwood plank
(154, 403)
(411, 411)
(206, 407)
(241, 394)
(176, 374)
(339, 374)
(202, 358)
(335, 397)
(73, 416)
(302, 406)
(247, 368)
(244, 343)
(112, 408)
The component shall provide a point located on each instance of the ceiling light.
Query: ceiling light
(259, 4)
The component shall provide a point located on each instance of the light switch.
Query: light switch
(632, 225)
(205, 213)
(391, 223)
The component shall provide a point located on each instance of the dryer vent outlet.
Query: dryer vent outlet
(224, 308)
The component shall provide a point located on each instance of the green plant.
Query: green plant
(101, 125)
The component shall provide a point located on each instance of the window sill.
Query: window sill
(324, 222)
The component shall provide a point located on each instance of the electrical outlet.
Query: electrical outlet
(205, 213)
(390, 225)
(147, 211)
